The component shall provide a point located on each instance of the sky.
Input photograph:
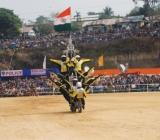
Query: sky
(31, 9)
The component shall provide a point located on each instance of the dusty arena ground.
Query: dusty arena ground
(107, 117)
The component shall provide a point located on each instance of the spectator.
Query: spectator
(78, 37)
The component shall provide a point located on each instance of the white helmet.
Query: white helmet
(75, 79)
(63, 56)
(78, 56)
(79, 84)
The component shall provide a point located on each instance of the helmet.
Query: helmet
(63, 56)
(78, 56)
(79, 84)
(75, 79)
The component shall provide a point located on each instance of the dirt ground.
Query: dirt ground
(107, 117)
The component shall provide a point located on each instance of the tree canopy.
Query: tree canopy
(107, 13)
(146, 10)
(10, 23)
(43, 25)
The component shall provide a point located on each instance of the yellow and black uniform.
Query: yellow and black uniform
(62, 64)
(89, 81)
(71, 66)
(64, 86)
(65, 93)
(88, 72)
(79, 64)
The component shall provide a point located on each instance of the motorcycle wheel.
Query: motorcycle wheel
(79, 106)
(72, 108)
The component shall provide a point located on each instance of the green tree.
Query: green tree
(135, 12)
(76, 26)
(107, 13)
(41, 20)
(43, 25)
(157, 10)
(10, 23)
(146, 10)
(91, 13)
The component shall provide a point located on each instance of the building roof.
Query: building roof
(26, 29)
(113, 21)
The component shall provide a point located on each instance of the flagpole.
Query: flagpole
(44, 63)
(63, 23)
(70, 47)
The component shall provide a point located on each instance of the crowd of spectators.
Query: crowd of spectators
(92, 37)
(78, 38)
(31, 42)
(21, 86)
(38, 85)
(125, 79)
(129, 82)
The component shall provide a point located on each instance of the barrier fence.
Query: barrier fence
(107, 89)
(125, 88)
(93, 90)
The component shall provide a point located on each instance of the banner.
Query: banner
(11, 73)
(36, 72)
(101, 61)
(143, 71)
(26, 72)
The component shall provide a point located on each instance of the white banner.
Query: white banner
(38, 72)
(11, 73)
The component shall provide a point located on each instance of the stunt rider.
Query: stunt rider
(81, 90)
(62, 63)
(71, 67)
(79, 63)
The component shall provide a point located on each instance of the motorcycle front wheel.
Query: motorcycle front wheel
(73, 108)
(79, 106)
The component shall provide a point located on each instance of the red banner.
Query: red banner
(151, 71)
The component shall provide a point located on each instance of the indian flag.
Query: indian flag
(63, 21)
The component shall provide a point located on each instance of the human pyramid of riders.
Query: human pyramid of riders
(73, 81)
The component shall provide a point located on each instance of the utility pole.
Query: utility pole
(78, 16)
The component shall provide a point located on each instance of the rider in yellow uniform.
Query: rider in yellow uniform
(80, 90)
(79, 63)
(62, 63)
(71, 66)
